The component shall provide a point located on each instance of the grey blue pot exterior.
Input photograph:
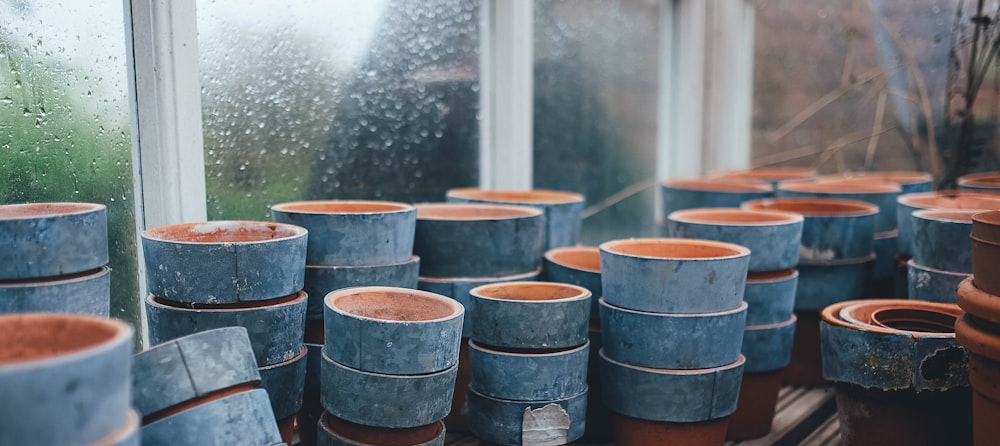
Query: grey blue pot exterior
(827, 239)
(679, 198)
(86, 294)
(942, 244)
(904, 223)
(591, 280)
(480, 248)
(528, 377)
(327, 437)
(931, 284)
(562, 220)
(825, 284)
(772, 246)
(129, 435)
(885, 246)
(321, 280)
(355, 239)
(459, 289)
(191, 367)
(243, 418)
(87, 391)
(276, 331)
(770, 301)
(639, 338)
(884, 221)
(312, 410)
(534, 324)
(504, 422)
(768, 347)
(660, 285)
(53, 245)
(680, 396)
(379, 400)
(284, 384)
(224, 272)
(392, 347)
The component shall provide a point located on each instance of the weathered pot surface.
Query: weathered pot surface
(88, 292)
(770, 296)
(576, 265)
(879, 193)
(530, 315)
(833, 228)
(529, 376)
(75, 239)
(931, 284)
(941, 199)
(941, 239)
(321, 280)
(715, 192)
(285, 383)
(506, 422)
(562, 209)
(773, 237)
(242, 418)
(458, 289)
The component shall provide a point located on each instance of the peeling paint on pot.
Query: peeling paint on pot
(459, 289)
(823, 284)
(243, 418)
(84, 293)
(770, 296)
(773, 237)
(529, 376)
(931, 284)
(541, 423)
(768, 347)
(52, 239)
(710, 193)
(832, 229)
(576, 265)
(562, 209)
(941, 239)
(532, 315)
(284, 383)
(322, 280)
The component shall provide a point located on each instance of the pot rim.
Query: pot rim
(839, 262)
(730, 185)
(324, 424)
(739, 362)
(790, 321)
(988, 218)
(581, 292)
(774, 276)
(89, 274)
(834, 188)
(512, 196)
(316, 207)
(704, 216)
(833, 315)
(986, 179)
(509, 278)
(926, 200)
(122, 333)
(738, 250)
(295, 298)
(412, 259)
(848, 208)
(32, 211)
(446, 211)
(961, 216)
(554, 255)
(288, 232)
(976, 340)
(977, 302)
(904, 177)
(922, 267)
(742, 307)
(330, 300)
(562, 352)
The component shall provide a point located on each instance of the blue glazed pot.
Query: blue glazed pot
(576, 265)
(72, 368)
(664, 275)
(768, 347)
(392, 331)
(224, 262)
(893, 344)
(459, 289)
(192, 367)
(328, 435)
(710, 193)
(884, 245)
(636, 338)
(983, 182)
(770, 296)
(375, 399)
(52, 239)
(322, 280)
(562, 209)
(284, 383)
(833, 229)
(941, 239)
(773, 175)
(881, 194)
(243, 418)
(772, 237)
(933, 285)
(942, 199)
(352, 233)
(824, 284)
(909, 181)
(528, 376)
(276, 330)
(532, 315)
(456, 240)
(84, 293)
(682, 396)
(505, 422)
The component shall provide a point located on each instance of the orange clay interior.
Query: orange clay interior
(31, 337)
(673, 249)
(341, 207)
(579, 258)
(393, 306)
(530, 291)
(513, 196)
(763, 276)
(955, 200)
(732, 216)
(986, 179)
(814, 207)
(223, 232)
(842, 186)
(43, 209)
(471, 212)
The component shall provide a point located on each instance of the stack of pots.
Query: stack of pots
(200, 389)
(710, 193)
(773, 175)
(235, 273)
(835, 264)
(466, 245)
(899, 374)
(64, 380)
(773, 239)
(54, 258)
(922, 281)
(672, 321)
(982, 182)
(942, 256)
(389, 361)
(529, 353)
(562, 209)
(978, 329)
(351, 243)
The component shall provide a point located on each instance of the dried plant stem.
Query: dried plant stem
(876, 130)
(821, 103)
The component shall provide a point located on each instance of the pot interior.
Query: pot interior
(36, 336)
(913, 319)
(393, 306)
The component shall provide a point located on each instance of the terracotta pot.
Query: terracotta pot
(904, 417)
(243, 418)
(286, 428)
(576, 265)
(285, 383)
(76, 239)
(458, 419)
(352, 232)
(126, 435)
(562, 209)
(772, 237)
(456, 240)
(826, 283)
(337, 432)
(770, 296)
(985, 259)
(528, 376)
(941, 240)
(659, 275)
(880, 193)
(756, 405)
(637, 432)
(771, 175)
(977, 302)
(509, 422)
(806, 365)
(530, 315)
(321, 280)
(88, 292)
(710, 193)
(458, 289)
(982, 339)
(934, 285)
(986, 225)
(942, 199)
(908, 181)
(832, 229)
(985, 181)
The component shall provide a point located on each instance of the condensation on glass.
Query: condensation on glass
(337, 99)
(64, 120)
(595, 109)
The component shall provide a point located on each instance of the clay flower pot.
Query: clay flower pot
(710, 193)
(909, 181)
(352, 232)
(285, 383)
(981, 337)
(562, 209)
(459, 289)
(243, 418)
(336, 432)
(767, 349)
(576, 265)
(880, 193)
(770, 296)
(826, 283)
(941, 239)
(457, 240)
(88, 292)
(63, 367)
(506, 422)
(942, 199)
(930, 284)
(660, 275)
(772, 237)
(530, 315)
(224, 262)
(75, 239)
(985, 182)
(529, 376)
(986, 251)
(832, 229)
(772, 175)
(321, 280)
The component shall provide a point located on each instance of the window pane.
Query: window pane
(337, 99)
(595, 108)
(64, 120)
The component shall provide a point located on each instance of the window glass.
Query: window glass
(337, 99)
(595, 109)
(64, 120)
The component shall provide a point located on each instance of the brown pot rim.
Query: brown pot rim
(770, 173)
(529, 292)
(474, 211)
(570, 257)
(886, 234)
(944, 199)
(735, 217)
(814, 207)
(982, 179)
(532, 196)
(393, 305)
(349, 207)
(977, 302)
(330, 423)
(988, 218)
(336, 267)
(718, 185)
(717, 250)
(975, 339)
(860, 311)
(194, 233)
(834, 187)
(27, 340)
(28, 211)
